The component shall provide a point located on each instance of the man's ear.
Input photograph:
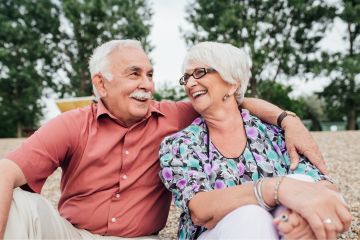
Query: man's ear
(99, 84)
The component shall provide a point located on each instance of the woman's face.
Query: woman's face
(206, 93)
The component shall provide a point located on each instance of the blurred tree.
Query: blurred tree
(281, 36)
(310, 108)
(166, 92)
(278, 94)
(314, 110)
(28, 58)
(342, 95)
(37, 38)
(91, 23)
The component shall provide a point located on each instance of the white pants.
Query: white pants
(32, 216)
(248, 222)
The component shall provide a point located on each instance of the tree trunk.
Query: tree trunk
(82, 85)
(253, 85)
(18, 130)
(351, 118)
(315, 126)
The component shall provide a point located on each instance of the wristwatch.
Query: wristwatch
(283, 115)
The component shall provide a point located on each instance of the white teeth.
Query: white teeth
(195, 94)
(141, 95)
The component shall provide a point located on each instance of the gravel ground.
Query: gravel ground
(340, 149)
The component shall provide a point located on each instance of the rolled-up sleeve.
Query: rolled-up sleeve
(43, 152)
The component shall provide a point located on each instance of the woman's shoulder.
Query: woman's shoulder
(253, 121)
(192, 132)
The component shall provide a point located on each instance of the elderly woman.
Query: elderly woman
(226, 170)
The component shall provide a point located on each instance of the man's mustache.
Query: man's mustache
(141, 94)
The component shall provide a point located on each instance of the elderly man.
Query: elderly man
(108, 153)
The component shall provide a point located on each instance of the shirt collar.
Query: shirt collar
(102, 110)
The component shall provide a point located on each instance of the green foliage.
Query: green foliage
(35, 44)
(28, 45)
(306, 108)
(94, 22)
(170, 93)
(278, 94)
(342, 95)
(281, 36)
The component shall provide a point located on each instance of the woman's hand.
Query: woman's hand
(323, 208)
(298, 140)
(292, 226)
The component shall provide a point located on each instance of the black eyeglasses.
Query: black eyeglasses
(197, 73)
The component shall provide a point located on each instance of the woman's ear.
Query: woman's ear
(233, 88)
(99, 84)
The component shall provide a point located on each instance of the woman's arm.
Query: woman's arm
(297, 137)
(315, 203)
(312, 201)
(208, 208)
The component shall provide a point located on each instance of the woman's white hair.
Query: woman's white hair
(233, 64)
(99, 62)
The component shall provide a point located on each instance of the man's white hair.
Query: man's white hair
(233, 64)
(99, 62)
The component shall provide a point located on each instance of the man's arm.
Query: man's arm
(264, 110)
(297, 138)
(11, 177)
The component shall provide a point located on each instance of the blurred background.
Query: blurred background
(305, 53)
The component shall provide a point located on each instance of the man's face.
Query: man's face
(127, 96)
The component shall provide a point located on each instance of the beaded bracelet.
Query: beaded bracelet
(276, 190)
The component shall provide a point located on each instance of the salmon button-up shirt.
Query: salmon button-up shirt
(110, 183)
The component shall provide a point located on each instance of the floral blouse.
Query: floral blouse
(190, 163)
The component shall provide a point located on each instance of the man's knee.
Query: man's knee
(21, 202)
(22, 214)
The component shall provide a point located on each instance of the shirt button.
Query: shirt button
(127, 152)
(117, 195)
(124, 177)
(113, 220)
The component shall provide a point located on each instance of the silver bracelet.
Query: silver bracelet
(258, 195)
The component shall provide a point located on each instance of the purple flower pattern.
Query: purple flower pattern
(264, 155)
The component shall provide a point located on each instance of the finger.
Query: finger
(317, 227)
(210, 224)
(317, 159)
(294, 219)
(280, 213)
(345, 217)
(294, 158)
(276, 221)
(285, 227)
(331, 229)
(339, 227)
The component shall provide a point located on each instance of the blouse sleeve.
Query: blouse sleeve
(182, 171)
(277, 137)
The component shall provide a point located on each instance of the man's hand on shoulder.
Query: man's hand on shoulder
(299, 141)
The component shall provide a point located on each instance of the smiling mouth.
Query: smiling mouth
(140, 99)
(198, 93)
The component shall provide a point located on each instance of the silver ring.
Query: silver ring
(284, 218)
(327, 221)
